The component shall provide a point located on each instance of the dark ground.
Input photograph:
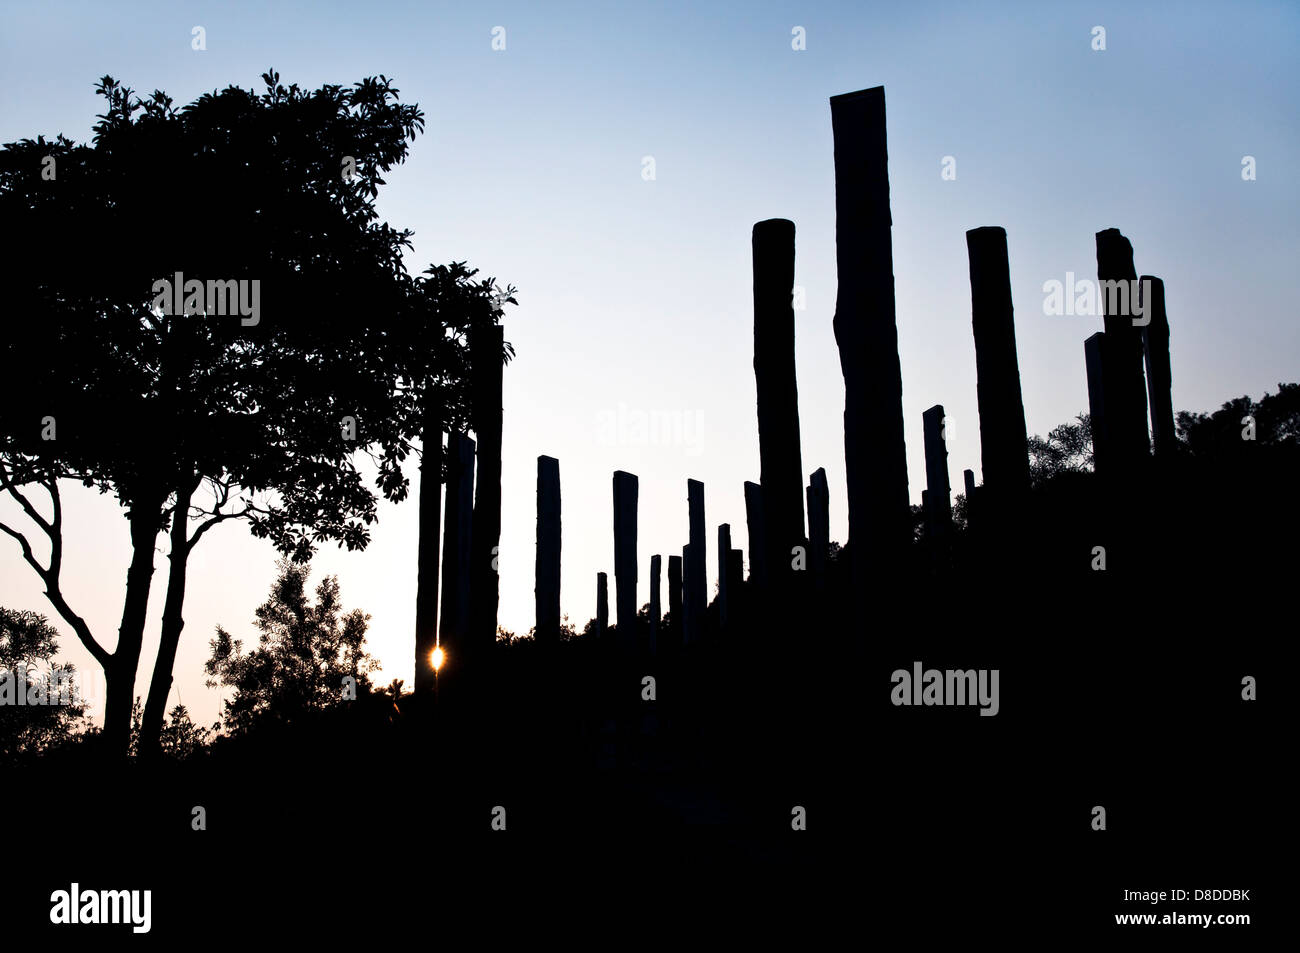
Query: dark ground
(1120, 689)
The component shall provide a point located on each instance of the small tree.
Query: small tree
(194, 411)
(305, 657)
(28, 644)
(1273, 420)
(179, 738)
(1067, 449)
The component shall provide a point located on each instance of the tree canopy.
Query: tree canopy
(211, 321)
(304, 657)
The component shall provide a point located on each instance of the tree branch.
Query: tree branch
(52, 592)
(79, 626)
(11, 487)
(218, 518)
(27, 551)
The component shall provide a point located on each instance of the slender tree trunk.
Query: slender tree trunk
(160, 685)
(119, 674)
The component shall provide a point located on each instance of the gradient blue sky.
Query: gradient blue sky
(637, 293)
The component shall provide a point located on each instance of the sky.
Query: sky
(634, 327)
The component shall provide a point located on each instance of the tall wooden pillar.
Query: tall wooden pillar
(547, 584)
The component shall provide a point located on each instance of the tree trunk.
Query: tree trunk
(119, 675)
(160, 685)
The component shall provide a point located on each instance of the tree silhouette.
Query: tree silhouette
(28, 644)
(1067, 449)
(195, 418)
(180, 738)
(305, 656)
(1276, 421)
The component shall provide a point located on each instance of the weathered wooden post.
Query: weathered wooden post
(1126, 399)
(1155, 343)
(938, 506)
(625, 505)
(819, 526)
(693, 608)
(724, 553)
(457, 531)
(655, 605)
(426, 587)
(1003, 439)
(866, 332)
(735, 577)
(1094, 353)
(602, 606)
(547, 585)
(694, 558)
(675, 598)
(778, 401)
(757, 535)
(968, 479)
(487, 352)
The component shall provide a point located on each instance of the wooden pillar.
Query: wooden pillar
(724, 553)
(1094, 352)
(819, 526)
(1126, 401)
(938, 507)
(694, 559)
(1155, 344)
(602, 606)
(778, 401)
(547, 578)
(656, 563)
(426, 590)
(625, 573)
(457, 532)
(675, 597)
(694, 606)
(487, 352)
(757, 534)
(735, 576)
(875, 456)
(1003, 440)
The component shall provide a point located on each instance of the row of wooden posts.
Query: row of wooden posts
(879, 518)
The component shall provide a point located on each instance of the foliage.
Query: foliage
(1067, 449)
(29, 643)
(180, 738)
(304, 656)
(1276, 418)
(276, 191)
